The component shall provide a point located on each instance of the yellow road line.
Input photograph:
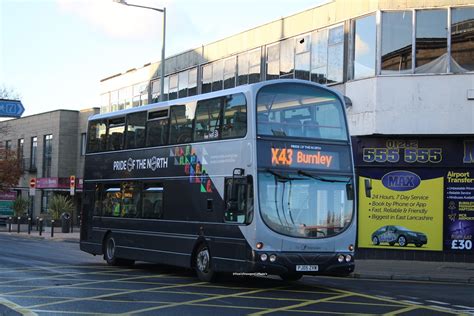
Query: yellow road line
(17, 308)
(108, 295)
(403, 303)
(306, 303)
(73, 285)
(196, 301)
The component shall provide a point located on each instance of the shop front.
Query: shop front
(416, 197)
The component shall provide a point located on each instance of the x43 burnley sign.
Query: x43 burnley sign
(11, 108)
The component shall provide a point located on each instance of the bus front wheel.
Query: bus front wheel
(202, 264)
(109, 253)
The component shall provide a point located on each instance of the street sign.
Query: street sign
(32, 186)
(72, 184)
(11, 108)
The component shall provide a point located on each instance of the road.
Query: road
(47, 277)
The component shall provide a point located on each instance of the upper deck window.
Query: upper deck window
(294, 110)
(97, 136)
(116, 133)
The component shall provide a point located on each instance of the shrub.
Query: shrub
(59, 204)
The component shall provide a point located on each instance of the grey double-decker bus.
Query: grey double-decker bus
(257, 178)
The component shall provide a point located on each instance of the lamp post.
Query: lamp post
(162, 79)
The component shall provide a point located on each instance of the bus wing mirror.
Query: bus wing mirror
(350, 191)
(368, 188)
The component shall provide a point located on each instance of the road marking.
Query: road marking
(465, 307)
(308, 302)
(199, 301)
(403, 310)
(438, 302)
(17, 308)
(111, 295)
(412, 302)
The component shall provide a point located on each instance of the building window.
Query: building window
(255, 57)
(140, 94)
(155, 91)
(243, 68)
(287, 58)
(192, 82)
(217, 75)
(183, 84)
(47, 155)
(319, 56)
(396, 42)
(8, 147)
(364, 47)
(273, 62)
(34, 148)
(431, 41)
(173, 87)
(229, 72)
(206, 78)
(302, 57)
(335, 54)
(114, 100)
(45, 197)
(83, 144)
(462, 43)
(21, 150)
(125, 98)
(105, 103)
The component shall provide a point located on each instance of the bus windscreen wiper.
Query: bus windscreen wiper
(280, 176)
(306, 174)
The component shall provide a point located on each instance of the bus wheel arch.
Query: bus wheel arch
(202, 261)
(109, 246)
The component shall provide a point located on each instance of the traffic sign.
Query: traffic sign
(72, 184)
(11, 108)
(32, 186)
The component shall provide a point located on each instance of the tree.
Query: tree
(10, 168)
(20, 206)
(10, 165)
(59, 204)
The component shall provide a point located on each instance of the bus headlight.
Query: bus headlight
(263, 257)
(348, 258)
(259, 245)
(273, 258)
(340, 258)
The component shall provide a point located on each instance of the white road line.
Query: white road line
(438, 302)
(412, 302)
(385, 297)
(465, 307)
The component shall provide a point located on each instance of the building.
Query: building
(52, 147)
(408, 68)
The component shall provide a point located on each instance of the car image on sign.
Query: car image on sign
(398, 234)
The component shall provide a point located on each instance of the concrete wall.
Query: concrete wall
(414, 104)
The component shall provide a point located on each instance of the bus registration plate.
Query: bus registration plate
(306, 268)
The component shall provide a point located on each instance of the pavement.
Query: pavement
(406, 270)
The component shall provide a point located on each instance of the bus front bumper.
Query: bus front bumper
(302, 263)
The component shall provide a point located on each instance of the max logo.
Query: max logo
(401, 180)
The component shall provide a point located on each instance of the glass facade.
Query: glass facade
(364, 47)
(47, 155)
(396, 42)
(387, 43)
(431, 41)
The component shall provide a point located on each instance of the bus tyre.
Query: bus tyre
(109, 253)
(202, 264)
(291, 276)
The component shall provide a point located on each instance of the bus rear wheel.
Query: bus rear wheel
(202, 264)
(109, 253)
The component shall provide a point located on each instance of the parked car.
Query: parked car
(398, 234)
